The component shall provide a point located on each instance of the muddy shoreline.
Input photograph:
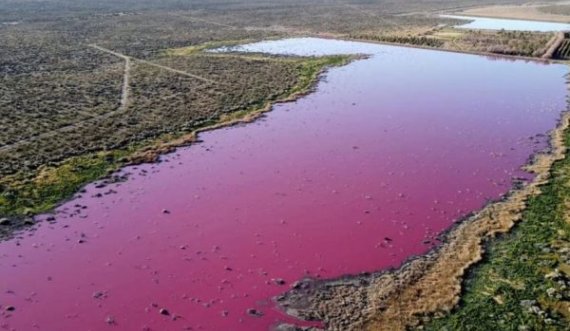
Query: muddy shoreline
(11, 227)
(423, 286)
(151, 154)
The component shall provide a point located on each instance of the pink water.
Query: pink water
(386, 154)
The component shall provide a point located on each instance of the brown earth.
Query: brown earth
(530, 12)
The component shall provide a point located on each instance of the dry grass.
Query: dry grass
(438, 289)
(525, 12)
(509, 43)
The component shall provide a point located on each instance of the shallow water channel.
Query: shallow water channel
(489, 23)
(365, 172)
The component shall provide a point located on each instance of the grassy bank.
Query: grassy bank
(523, 282)
(32, 192)
(27, 194)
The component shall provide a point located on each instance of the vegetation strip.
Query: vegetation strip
(24, 195)
(523, 282)
(427, 285)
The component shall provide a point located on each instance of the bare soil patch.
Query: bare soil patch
(522, 12)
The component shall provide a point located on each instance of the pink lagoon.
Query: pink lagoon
(358, 176)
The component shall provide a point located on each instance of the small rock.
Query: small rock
(548, 321)
(10, 308)
(301, 284)
(278, 281)
(99, 295)
(554, 275)
(166, 211)
(164, 311)
(110, 320)
(5, 221)
(254, 312)
(528, 303)
(553, 293)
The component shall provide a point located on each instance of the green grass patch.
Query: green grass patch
(515, 268)
(26, 194)
(309, 69)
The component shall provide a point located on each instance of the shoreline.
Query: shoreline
(12, 226)
(529, 17)
(386, 290)
(425, 285)
(152, 153)
(462, 13)
(486, 54)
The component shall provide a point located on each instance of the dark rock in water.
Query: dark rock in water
(278, 281)
(303, 284)
(29, 221)
(166, 211)
(110, 320)
(290, 327)
(5, 221)
(98, 295)
(164, 311)
(254, 312)
(10, 308)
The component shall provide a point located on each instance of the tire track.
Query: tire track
(124, 103)
(125, 91)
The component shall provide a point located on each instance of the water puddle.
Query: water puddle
(488, 23)
(358, 176)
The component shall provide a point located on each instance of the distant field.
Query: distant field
(538, 12)
(557, 10)
(61, 97)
